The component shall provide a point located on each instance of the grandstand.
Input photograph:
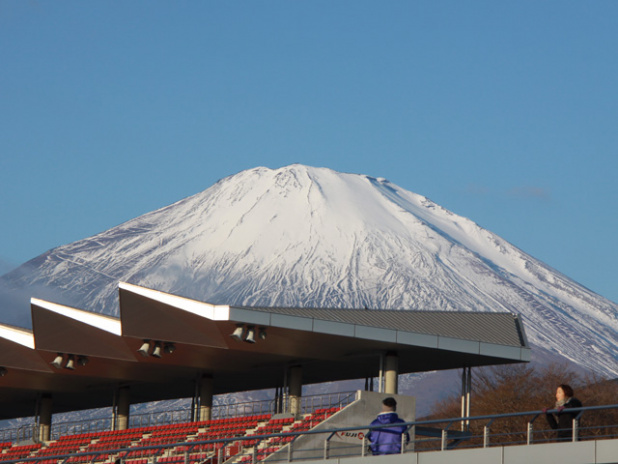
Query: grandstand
(143, 444)
(164, 346)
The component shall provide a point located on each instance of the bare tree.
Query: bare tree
(520, 388)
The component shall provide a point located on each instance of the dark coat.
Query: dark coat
(387, 440)
(563, 421)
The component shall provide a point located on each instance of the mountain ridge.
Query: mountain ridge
(305, 236)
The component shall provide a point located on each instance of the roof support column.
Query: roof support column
(206, 394)
(279, 400)
(295, 389)
(121, 411)
(45, 418)
(391, 373)
(466, 391)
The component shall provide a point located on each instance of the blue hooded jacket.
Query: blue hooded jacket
(387, 440)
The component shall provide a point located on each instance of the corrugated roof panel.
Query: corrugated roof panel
(498, 328)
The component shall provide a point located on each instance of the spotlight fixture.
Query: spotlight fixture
(250, 338)
(82, 360)
(145, 348)
(57, 362)
(169, 348)
(157, 350)
(248, 333)
(2, 371)
(70, 362)
(237, 334)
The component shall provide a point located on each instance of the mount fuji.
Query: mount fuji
(311, 237)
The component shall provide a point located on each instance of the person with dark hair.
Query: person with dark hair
(387, 440)
(562, 421)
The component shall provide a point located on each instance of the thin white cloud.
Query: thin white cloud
(530, 191)
(526, 192)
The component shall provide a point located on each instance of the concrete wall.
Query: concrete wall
(586, 452)
(361, 412)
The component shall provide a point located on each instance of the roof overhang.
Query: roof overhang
(330, 345)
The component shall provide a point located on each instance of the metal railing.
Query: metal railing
(328, 400)
(249, 408)
(328, 443)
(25, 432)
(480, 430)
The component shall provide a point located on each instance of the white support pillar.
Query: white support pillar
(391, 373)
(278, 400)
(295, 389)
(466, 391)
(123, 406)
(206, 395)
(381, 375)
(45, 418)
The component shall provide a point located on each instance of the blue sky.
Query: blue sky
(503, 112)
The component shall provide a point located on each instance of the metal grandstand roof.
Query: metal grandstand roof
(329, 344)
(499, 328)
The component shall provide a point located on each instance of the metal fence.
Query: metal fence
(522, 428)
(25, 432)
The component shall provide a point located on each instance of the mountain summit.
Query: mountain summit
(312, 237)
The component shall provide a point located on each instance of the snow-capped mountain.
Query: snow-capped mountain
(313, 237)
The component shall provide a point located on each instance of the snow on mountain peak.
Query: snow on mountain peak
(306, 236)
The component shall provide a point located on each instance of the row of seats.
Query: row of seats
(180, 459)
(17, 452)
(166, 434)
(131, 436)
(240, 419)
(217, 428)
(175, 432)
(282, 422)
(331, 410)
(221, 429)
(89, 458)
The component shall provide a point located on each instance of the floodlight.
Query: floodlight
(237, 334)
(144, 348)
(169, 348)
(57, 362)
(2, 371)
(250, 338)
(157, 350)
(262, 333)
(70, 362)
(82, 360)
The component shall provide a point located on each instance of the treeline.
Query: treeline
(521, 388)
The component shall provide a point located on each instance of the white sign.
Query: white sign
(352, 436)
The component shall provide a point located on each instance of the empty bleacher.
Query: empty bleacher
(154, 444)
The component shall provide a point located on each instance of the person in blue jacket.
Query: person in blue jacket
(387, 440)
